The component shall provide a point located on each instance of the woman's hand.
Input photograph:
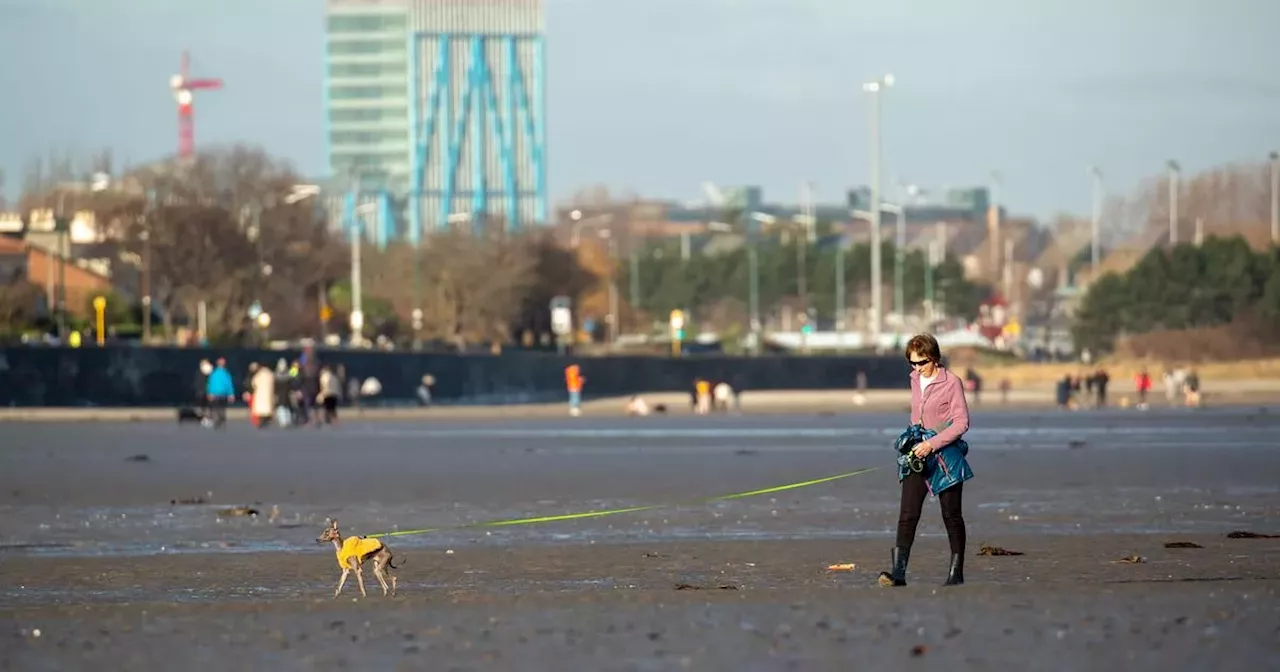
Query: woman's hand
(922, 449)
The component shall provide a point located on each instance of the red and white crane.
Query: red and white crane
(184, 89)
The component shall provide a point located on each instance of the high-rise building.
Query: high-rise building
(438, 107)
(367, 93)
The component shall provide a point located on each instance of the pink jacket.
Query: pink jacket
(942, 400)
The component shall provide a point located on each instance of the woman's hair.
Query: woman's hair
(925, 344)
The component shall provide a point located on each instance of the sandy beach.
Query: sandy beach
(100, 555)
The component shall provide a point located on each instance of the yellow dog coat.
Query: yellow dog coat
(358, 548)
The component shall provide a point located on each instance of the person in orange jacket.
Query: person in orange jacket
(573, 381)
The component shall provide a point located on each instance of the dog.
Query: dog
(188, 414)
(353, 552)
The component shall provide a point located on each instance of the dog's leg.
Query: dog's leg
(341, 582)
(379, 574)
(360, 580)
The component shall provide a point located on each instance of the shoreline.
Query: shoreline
(771, 402)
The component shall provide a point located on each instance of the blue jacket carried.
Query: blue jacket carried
(943, 468)
(220, 384)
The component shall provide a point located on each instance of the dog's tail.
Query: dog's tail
(394, 566)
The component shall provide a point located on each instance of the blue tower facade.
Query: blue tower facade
(477, 123)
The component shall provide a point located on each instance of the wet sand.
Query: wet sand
(93, 554)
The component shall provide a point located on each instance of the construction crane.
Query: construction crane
(184, 89)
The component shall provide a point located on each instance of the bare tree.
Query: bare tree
(18, 302)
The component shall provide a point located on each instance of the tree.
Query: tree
(669, 282)
(1186, 287)
(19, 303)
(220, 231)
(473, 289)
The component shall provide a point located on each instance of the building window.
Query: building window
(357, 47)
(366, 137)
(367, 24)
(367, 70)
(395, 114)
(365, 92)
(365, 158)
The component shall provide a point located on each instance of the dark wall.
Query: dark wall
(132, 376)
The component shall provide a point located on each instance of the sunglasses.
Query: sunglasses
(917, 363)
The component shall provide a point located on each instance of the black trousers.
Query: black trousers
(218, 406)
(914, 490)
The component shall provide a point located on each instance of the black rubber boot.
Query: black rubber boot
(955, 577)
(898, 575)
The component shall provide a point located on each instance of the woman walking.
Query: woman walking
(330, 392)
(936, 463)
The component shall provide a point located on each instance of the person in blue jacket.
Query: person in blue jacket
(220, 391)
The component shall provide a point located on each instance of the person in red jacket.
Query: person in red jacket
(1143, 382)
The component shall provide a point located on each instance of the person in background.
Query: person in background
(1143, 384)
(246, 384)
(703, 387)
(1100, 380)
(330, 392)
(1191, 388)
(975, 384)
(263, 402)
(310, 384)
(341, 372)
(220, 391)
(573, 381)
(637, 406)
(424, 390)
(202, 396)
(937, 404)
(1063, 390)
(353, 391)
(723, 396)
(1005, 387)
(284, 394)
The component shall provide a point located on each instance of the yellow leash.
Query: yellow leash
(632, 509)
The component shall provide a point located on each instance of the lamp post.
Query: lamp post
(1275, 198)
(634, 281)
(357, 272)
(931, 260)
(876, 88)
(1174, 186)
(607, 235)
(804, 222)
(147, 216)
(580, 222)
(899, 259)
(1095, 245)
(753, 279)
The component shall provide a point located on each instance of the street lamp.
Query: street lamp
(899, 252)
(357, 291)
(580, 223)
(1174, 170)
(900, 246)
(753, 280)
(1095, 246)
(607, 235)
(875, 89)
(1275, 198)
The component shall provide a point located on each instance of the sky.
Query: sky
(655, 97)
